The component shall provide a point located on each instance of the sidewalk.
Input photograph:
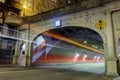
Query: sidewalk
(10, 67)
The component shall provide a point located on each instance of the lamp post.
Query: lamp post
(28, 49)
(24, 8)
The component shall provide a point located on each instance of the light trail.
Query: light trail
(10, 37)
(50, 45)
(60, 37)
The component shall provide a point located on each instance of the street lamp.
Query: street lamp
(24, 7)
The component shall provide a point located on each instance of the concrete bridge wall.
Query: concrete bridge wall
(108, 13)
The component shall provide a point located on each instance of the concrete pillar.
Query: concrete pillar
(109, 47)
(24, 57)
(28, 55)
(15, 56)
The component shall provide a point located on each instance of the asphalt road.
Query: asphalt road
(92, 67)
(55, 72)
(48, 74)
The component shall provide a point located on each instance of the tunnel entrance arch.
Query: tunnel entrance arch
(118, 52)
(60, 45)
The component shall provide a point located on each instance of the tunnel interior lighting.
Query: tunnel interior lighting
(93, 45)
(96, 47)
(94, 58)
(77, 54)
(85, 42)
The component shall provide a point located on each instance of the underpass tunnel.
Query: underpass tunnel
(74, 48)
(119, 48)
(118, 55)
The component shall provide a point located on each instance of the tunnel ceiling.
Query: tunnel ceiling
(77, 31)
(76, 34)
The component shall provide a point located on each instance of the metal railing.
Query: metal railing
(67, 9)
(11, 33)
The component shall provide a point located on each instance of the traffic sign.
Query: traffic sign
(100, 24)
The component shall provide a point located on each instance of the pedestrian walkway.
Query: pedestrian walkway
(10, 67)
